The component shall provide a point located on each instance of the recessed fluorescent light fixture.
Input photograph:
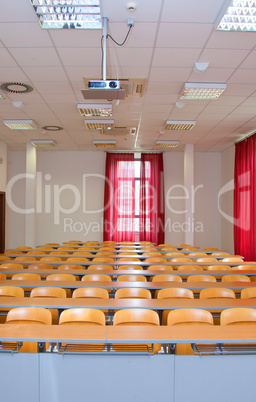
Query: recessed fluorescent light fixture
(179, 124)
(104, 144)
(238, 16)
(2, 94)
(202, 90)
(99, 124)
(95, 109)
(43, 143)
(21, 124)
(166, 144)
(68, 14)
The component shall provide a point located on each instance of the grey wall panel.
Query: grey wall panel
(19, 378)
(106, 378)
(215, 378)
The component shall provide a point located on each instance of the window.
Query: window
(132, 193)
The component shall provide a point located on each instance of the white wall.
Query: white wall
(207, 184)
(174, 193)
(68, 201)
(226, 200)
(207, 218)
(15, 222)
(3, 165)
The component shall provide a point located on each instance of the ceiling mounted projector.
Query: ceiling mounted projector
(104, 89)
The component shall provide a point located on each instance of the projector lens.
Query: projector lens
(112, 84)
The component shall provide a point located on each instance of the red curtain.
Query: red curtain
(245, 199)
(152, 205)
(119, 204)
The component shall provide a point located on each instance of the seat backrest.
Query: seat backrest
(40, 266)
(127, 253)
(130, 267)
(52, 253)
(166, 277)
(103, 260)
(100, 267)
(248, 293)
(29, 315)
(68, 267)
(155, 260)
(218, 268)
(235, 278)
(233, 259)
(217, 293)
(238, 316)
(220, 254)
(180, 259)
(92, 293)
(60, 277)
(161, 267)
(175, 293)
(84, 316)
(105, 254)
(76, 259)
(131, 278)
(82, 253)
(132, 293)
(48, 292)
(190, 268)
(96, 277)
(196, 254)
(11, 291)
(207, 259)
(201, 278)
(175, 254)
(11, 265)
(129, 259)
(26, 277)
(24, 258)
(245, 267)
(49, 259)
(189, 316)
(136, 317)
(36, 253)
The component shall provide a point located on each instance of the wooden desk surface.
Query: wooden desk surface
(128, 334)
(115, 304)
(118, 285)
(118, 272)
(120, 257)
(120, 263)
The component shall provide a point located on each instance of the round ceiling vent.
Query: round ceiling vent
(52, 128)
(16, 87)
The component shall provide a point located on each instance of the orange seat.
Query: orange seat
(132, 293)
(131, 278)
(235, 278)
(201, 278)
(28, 315)
(187, 317)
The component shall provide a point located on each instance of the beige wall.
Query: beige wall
(69, 200)
(226, 199)
(207, 183)
(3, 165)
(69, 205)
